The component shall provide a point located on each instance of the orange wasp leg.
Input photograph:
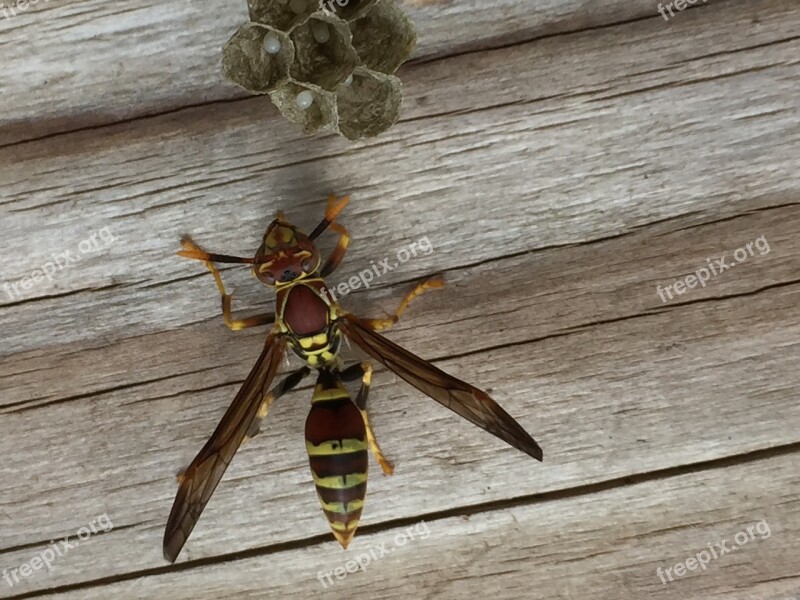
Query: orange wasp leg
(192, 250)
(434, 283)
(364, 370)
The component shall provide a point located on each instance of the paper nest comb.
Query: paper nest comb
(327, 67)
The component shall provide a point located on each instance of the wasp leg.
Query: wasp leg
(364, 371)
(284, 387)
(336, 257)
(234, 324)
(290, 382)
(434, 283)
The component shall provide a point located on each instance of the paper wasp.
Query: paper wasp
(337, 430)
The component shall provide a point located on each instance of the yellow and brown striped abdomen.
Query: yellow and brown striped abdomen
(336, 440)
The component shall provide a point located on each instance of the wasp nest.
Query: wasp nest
(328, 65)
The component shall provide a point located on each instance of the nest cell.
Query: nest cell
(384, 38)
(309, 106)
(257, 58)
(281, 14)
(368, 104)
(324, 52)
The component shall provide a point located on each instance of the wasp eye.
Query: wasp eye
(269, 277)
(308, 264)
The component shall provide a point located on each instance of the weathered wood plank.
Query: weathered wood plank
(75, 64)
(209, 171)
(608, 543)
(559, 185)
(602, 373)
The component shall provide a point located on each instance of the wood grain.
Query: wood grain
(191, 172)
(617, 540)
(565, 161)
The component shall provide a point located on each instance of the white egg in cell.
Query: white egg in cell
(272, 43)
(321, 32)
(304, 99)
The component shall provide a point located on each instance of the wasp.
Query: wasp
(337, 429)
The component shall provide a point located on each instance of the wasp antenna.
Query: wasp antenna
(335, 207)
(219, 258)
(192, 250)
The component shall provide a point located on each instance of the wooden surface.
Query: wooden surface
(564, 159)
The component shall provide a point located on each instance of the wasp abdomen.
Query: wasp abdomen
(336, 440)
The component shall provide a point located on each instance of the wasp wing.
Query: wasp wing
(201, 478)
(474, 405)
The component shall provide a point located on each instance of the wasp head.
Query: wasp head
(285, 255)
